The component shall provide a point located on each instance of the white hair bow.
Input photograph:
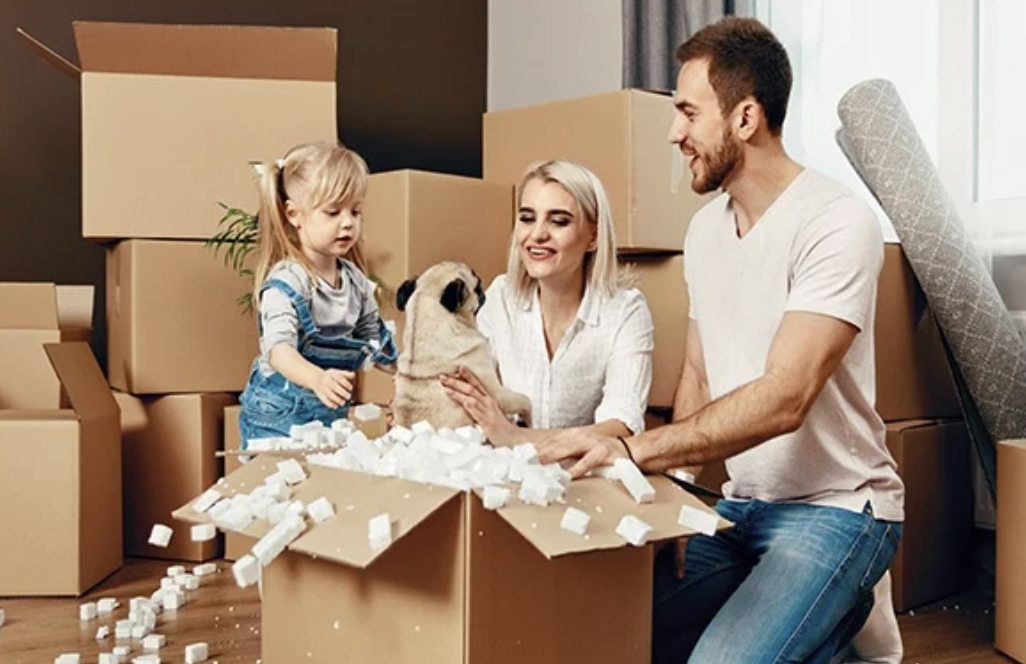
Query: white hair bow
(261, 168)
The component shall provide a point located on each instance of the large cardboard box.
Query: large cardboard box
(172, 114)
(169, 448)
(459, 583)
(236, 545)
(913, 380)
(661, 279)
(33, 314)
(933, 462)
(621, 137)
(414, 219)
(173, 320)
(1010, 595)
(60, 484)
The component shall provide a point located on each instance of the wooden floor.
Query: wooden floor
(957, 631)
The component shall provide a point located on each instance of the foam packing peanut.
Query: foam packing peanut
(206, 501)
(87, 611)
(699, 520)
(575, 521)
(68, 658)
(634, 481)
(292, 471)
(634, 530)
(205, 569)
(495, 497)
(274, 542)
(320, 510)
(379, 532)
(203, 532)
(154, 642)
(160, 535)
(109, 658)
(196, 653)
(106, 605)
(246, 571)
(366, 412)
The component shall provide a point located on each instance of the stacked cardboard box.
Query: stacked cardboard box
(1010, 595)
(171, 118)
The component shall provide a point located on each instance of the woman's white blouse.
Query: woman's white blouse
(601, 370)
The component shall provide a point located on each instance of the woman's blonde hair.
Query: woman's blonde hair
(600, 267)
(312, 176)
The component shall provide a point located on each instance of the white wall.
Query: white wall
(546, 50)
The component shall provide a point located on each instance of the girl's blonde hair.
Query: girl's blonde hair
(600, 267)
(312, 176)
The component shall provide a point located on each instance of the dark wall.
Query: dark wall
(411, 91)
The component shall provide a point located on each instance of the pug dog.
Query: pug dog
(441, 334)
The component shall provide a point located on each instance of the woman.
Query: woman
(565, 327)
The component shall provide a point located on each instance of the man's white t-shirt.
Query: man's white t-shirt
(819, 249)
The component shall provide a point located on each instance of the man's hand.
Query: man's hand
(334, 387)
(591, 449)
(466, 389)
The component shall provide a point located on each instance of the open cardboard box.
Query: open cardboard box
(172, 114)
(60, 484)
(33, 314)
(459, 583)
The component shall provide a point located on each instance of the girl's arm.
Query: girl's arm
(332, 386)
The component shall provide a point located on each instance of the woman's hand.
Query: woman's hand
(334, 387)
(589, 448)
(466, 389)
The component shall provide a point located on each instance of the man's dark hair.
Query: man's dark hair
(745, 59)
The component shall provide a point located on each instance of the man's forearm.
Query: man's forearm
(738, 421)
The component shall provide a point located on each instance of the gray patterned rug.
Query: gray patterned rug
(989, 354)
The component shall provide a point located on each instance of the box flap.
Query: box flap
(51, 56)
(217, 51)
(81, 377)
(75, 306)
(357, 498)
(906, 425)
(541, 525)
(28, 307)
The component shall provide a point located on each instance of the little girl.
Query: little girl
(319, 321)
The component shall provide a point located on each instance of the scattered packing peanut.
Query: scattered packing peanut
(205, 569)
(87, 611)
(320, 510)
(204, 532)
(696, 519)
(633, 479)
(109, 658)
(68, 658)
(379, 532)
(122, 651)
(274, 542)
(366, 412)
(146, 659)
(196, 653)
(174, 600)
(246, 571)
(106, 606)
(154, 642)
(495, 497)
(634, 530)
(575, 521)
(206, 501)
(292, 471)
(176, 570)
(161, 535)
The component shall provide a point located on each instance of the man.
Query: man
(778, 380)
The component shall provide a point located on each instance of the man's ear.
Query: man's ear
(749, 116)
(454, 295)
(405, 293)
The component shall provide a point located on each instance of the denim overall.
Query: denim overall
(272, 404)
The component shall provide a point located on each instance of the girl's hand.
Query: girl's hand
(334, 387)
(466, 389)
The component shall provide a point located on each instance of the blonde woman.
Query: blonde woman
(565, 327)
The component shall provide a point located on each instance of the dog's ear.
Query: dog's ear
(454, 295)
(479, 291)
(405, 293)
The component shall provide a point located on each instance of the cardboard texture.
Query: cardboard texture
(413, 220)
(933, 462)
(913, 380)
(621, 137)
(188, 107)
(31, 315)
(1010, 595)
(458, 583)
(169, 447)
(60, 484)
(235, 545)
(173, 320)
(661, 279)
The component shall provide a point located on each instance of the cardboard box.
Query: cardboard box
(413, 220)
(235, 545)
(459, 583)
(661, 280)
(173, 320)
(933, 462)
(169, 448)
(60, 484)
(621, 137)
(1010, 595)
(172, 114)
(913, 380)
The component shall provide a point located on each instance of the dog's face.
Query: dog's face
(453, 284)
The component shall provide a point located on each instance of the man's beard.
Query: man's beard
(727, 157)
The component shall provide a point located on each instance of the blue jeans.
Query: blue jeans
(271, 405)
(791, 582)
